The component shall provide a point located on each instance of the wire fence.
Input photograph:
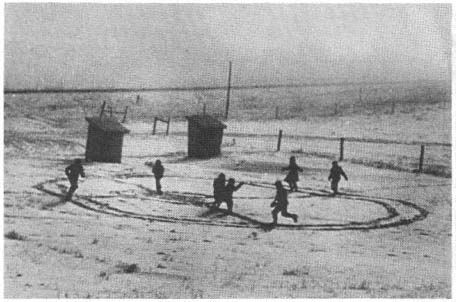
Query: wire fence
(67, 110)
(429, 158)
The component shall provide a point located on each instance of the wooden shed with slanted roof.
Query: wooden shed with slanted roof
(104, 139)
(205, 134)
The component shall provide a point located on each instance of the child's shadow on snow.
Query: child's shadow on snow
(53, 204)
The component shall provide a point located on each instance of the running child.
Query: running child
(293, 175)
(280, 204)
(72, 172)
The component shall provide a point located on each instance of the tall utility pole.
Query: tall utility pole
(228, 92)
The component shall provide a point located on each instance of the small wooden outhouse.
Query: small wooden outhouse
(104, 139)
(205, 134)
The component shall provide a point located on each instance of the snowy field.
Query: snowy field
(388, 235)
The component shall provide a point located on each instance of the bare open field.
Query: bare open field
(388, 235)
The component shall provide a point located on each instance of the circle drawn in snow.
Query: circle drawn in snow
(134, 197)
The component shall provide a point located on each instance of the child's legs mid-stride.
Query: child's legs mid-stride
(73, 187)
(293, 185)
(334, 186)
(229, 204)
(274, 212)
(284, 212)
(289, 215)
(157, 184)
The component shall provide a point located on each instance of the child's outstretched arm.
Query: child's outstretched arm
(238, 186)
(343, 174)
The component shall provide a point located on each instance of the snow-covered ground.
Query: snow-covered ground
(388, 236)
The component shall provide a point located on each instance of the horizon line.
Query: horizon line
(194, 88)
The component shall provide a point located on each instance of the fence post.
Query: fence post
(336, 109)
(167, 127)
(137, 99)
(155, 125)
(341, 157)
(279, 140)
(277, 112)
(125, 115)
(420, 168)
(102, 108)
(228, 92)
(392, 107)
(204, 108)
(110, 108)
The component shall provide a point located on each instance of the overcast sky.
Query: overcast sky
(162, 45)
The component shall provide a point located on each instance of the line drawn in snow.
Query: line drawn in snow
(398, 212)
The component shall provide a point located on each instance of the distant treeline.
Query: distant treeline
(195, 88)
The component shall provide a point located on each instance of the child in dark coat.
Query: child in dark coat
(335, 175)
(219, 188)
(158, 171)
(228, 193)
(293, 175)
(72, 172)
(280, 204)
